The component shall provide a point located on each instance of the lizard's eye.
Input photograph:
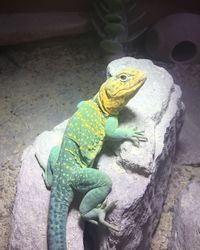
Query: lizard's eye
(123, 78)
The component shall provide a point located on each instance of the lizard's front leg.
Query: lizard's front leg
(114, 132)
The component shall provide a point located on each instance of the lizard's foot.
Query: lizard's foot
(137, 136)
(48, 180)
(97, 215)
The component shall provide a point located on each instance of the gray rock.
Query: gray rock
(189, 140)
(140, 175)
(186, 220)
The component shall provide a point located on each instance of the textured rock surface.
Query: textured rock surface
(186, 221)
(140, 175)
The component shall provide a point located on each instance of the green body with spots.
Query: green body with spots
(70, 166)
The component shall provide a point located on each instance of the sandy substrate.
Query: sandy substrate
(40, 85)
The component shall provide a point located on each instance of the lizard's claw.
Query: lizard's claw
(106, 224)
(136, 142)
(104, 210)
(137, 136)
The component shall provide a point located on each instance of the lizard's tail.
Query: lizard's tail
(58, 209)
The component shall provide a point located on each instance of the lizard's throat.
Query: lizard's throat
(109, 106)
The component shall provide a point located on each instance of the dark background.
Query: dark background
(157, 6)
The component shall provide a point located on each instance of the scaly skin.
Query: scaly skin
(69, 167)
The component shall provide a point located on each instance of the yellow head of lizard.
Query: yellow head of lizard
(119, 89)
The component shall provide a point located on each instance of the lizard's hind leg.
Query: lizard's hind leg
(97, 186)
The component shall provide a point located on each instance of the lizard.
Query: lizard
(69, 167)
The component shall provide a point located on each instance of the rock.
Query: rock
(189, 140)
(186, 220)
(140, 175)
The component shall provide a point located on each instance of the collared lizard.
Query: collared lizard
(70, 165)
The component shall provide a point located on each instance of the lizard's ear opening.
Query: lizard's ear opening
(108, 75)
